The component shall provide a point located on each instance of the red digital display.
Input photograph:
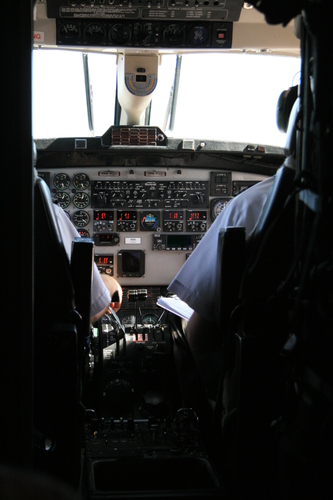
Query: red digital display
(103, 215)
(103, 260)
(123, 215)
(170, 215)
(193, 215)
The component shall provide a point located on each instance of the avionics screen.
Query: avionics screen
(178, 240)
(131, 263)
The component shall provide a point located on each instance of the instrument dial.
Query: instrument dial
(69, 32)
(218, 205)
(81, 218)
(128, 320)
(83, 233)
(150, 221)
(63, 199)
(149, 319)
(61, 181)
(199, 36)
(120, 34)
(95, 33)
(174, 34)
(81, 182)
(81, 200)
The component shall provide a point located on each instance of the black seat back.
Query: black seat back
(251, 381)
(58, 341)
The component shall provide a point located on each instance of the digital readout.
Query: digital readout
(103, 215)
(103, 260)
(172, 215)
(126, 215)
(196, 215)
(106, 238)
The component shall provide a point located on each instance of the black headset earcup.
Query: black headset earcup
(284, 107)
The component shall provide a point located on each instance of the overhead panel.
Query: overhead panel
(145, 23)
(188, 10)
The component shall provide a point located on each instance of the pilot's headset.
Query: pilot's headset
(284, 106)
(286, 118)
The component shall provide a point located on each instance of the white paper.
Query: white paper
(175, 305)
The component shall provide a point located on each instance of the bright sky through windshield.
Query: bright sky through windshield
(233, 97)
(59, 99)
(222, 96)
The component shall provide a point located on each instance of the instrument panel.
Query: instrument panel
(144, 222)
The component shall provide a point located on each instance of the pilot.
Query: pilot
(106, 292)
(197, 347)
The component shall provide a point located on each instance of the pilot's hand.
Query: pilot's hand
(115, 290)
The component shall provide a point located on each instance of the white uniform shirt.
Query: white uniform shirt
(195, 283)
(100, 296)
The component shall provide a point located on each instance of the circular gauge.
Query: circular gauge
(61, 181)
(81, 182)
(83, 233)
(81, 200)
(128, 320)
(69, 32)
(150, 221)
(94, 33)
(198, 36)
(120, 34)
(63, 199)
(174, 34)
(149, 319)
(218, 205)
(81, 218)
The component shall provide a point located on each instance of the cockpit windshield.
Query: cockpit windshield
(223, 96)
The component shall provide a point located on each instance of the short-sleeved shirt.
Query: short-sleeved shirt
(195, 283)
(100, 296)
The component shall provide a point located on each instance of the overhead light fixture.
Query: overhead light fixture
(247, 6)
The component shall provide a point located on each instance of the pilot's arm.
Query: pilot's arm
(106, 291)
(116, 295)
(196, 283)
(197, 280)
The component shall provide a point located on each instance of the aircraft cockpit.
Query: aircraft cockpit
(146, 120)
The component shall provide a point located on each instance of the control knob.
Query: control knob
(102, 199)
(198, 198)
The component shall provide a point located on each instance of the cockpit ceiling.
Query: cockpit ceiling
(163, 25)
